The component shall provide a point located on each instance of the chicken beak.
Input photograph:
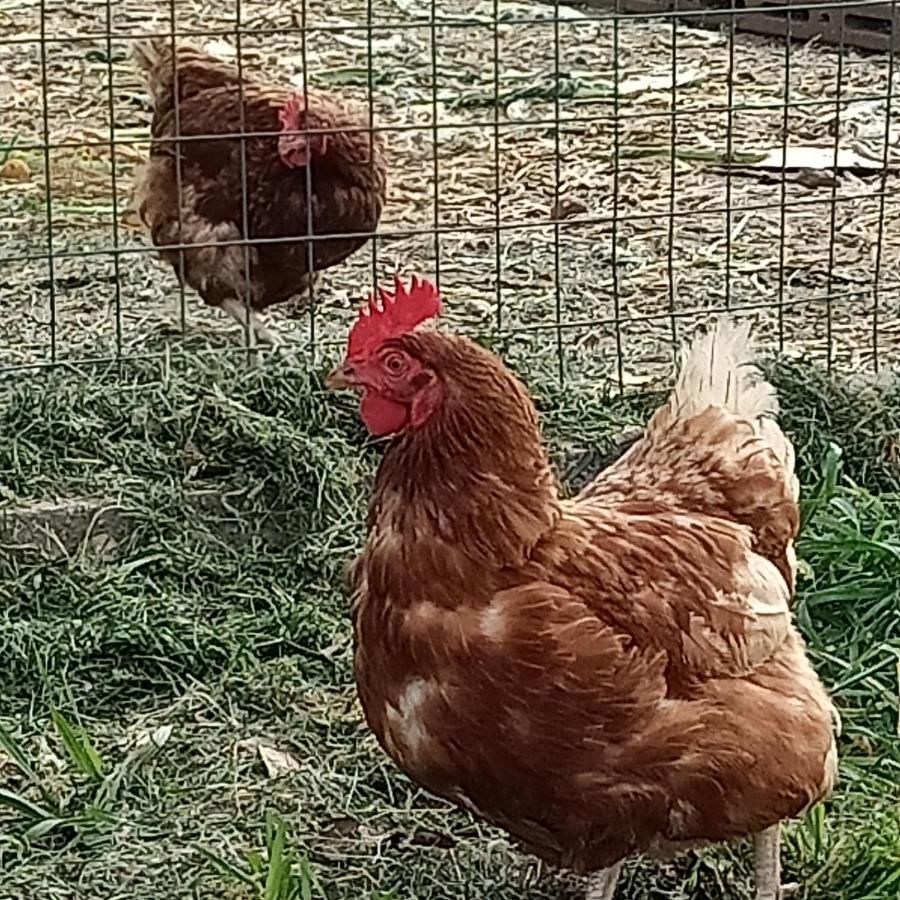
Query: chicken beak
(342, 378)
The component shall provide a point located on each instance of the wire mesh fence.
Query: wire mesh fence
(588, 182)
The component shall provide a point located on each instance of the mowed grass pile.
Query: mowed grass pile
(177, 709)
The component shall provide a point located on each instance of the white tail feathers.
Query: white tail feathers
(718, 369)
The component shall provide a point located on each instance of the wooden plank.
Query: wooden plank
(873, 26)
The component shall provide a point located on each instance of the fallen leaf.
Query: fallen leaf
(518, 109)
(154, 739)
(394, 42)
(341, 826)
(640, 84)
(15, 169)
(103, 546)
(277, 762)
(814, 178)
(567, 206)
(220, 48)
(131, 218)
(425, 837)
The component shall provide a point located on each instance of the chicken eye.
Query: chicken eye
(395, 363)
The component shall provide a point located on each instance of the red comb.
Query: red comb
(399, 313)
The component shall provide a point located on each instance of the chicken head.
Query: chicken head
(399, 390)
(294, 147)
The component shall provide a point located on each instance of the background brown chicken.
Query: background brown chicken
(610, 675)
(203, 203)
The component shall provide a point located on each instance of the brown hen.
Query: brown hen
(604, 676)
(311, 168)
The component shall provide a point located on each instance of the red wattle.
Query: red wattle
(381, 415)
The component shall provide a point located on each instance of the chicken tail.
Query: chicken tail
(718, 369)
(149, 53)
(715, 448)
(155, 58)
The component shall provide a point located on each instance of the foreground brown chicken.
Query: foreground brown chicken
(203, 203)
(603, 676)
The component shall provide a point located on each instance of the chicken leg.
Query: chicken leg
(602, 884)
(767, 865)
(248, 318)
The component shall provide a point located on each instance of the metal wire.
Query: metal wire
(442, 230)
(557, 178)
(684, 112)
(48, 187)
(498, 245)
(573, 325)
(435, 144)
(785, 136)
(673, 161)
(179, 164)
(448, 21)
(308, 184)
(886, 150)
(114, 181)
(614, 224)
(245, 201)
(729, 154)
(553, 235)
(832, 222)
(370, 104)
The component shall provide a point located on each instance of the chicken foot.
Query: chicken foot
(767, 865)
(602, 884)
(248, 318)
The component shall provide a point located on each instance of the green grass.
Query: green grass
(139, 683)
